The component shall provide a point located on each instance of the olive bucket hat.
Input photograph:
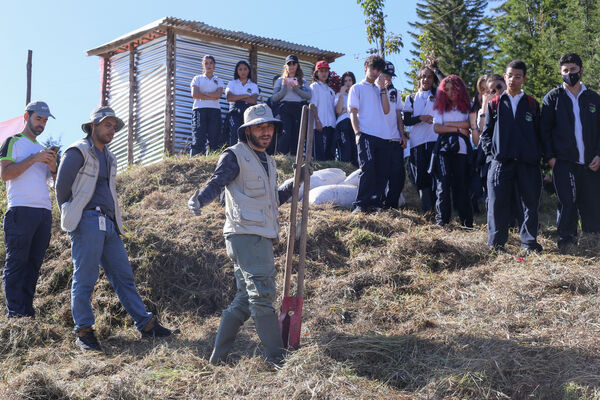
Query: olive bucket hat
(98, 115)
(256, 115)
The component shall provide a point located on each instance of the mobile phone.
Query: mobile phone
(291, 81)
(54, 148)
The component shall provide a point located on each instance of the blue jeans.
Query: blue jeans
(26, 235)
(91, 247)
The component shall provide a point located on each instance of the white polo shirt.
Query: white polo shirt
(452, 116)
(236, 88)
(423, 105)
(206, 85)
(577, 127)
(344, 113)
(30, 189)
(366, 98)
(324, 98)
(514, 101)
(391, 118)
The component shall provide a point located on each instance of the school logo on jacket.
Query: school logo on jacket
(432, 99)
(592, 108)
(528, 117)
(249, 91)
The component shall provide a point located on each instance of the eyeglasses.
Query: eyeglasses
(498, 88)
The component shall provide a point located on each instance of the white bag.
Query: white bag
(338, 195)
(353, 178)
(322, 177)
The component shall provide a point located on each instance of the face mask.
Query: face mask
(572, 78)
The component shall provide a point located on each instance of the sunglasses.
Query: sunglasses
(292, 63)
(498, 88)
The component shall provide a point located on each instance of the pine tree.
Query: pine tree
(459, 35)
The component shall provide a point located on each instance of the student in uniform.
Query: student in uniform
(292, 92)
(476, 191)
(241, 93)
(571, 141)
(323, 98)
(345, 135)
(418, 114)
(368, 103)
(393, 122)
(512, 138)
(451, 155)
(207, 89)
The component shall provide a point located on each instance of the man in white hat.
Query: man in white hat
(25, 166)
(249, 176)
(87, 195)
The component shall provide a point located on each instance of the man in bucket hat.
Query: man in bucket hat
(25, 166)
(87, 196)
(249, 177)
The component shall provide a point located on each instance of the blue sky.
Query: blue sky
(60, 32)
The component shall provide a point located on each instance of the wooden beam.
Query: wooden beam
(132, 95)
(170, 93)
(29, 67)
(105, 66)
(253, 58)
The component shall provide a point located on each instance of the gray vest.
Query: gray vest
(251, 200)
(85, 184)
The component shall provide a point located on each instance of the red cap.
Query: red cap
(321, 65)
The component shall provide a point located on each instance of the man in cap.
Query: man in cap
(249, 177)
(25, 166)
(87, 196)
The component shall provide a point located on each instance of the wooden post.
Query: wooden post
(28, 94)
(170, 94)
(253, 58)
(105, 67)
(132, 95)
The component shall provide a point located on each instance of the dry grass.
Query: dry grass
(395, 308)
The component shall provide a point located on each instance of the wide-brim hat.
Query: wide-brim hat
(98, 115)
(256, 115)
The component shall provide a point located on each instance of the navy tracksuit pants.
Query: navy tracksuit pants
(206, 125)
(375, 163)
(27, 235)
(290, 113)
(501, 181)
(325, 144)
(578, 191)
(346, 142)
(397, 175)
(451, 173)
(420, 158)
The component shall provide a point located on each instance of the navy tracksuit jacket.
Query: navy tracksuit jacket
(514, 144)
(577, 187)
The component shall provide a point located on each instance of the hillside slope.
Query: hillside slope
(395, 307)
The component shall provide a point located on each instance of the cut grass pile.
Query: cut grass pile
(395, 308)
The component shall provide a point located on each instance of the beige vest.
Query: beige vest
(251, 200)
(85, 184)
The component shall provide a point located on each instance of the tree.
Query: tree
(426, 52)
(387, 42)
(458, 32)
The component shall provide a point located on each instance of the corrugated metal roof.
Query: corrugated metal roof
(159, 27)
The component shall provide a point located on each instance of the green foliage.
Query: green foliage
(540, 31)
(457, 32)
(386, 42)
(426, 51)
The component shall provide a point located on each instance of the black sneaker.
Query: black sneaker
(533, 248)
(154, 329)
(86, 340)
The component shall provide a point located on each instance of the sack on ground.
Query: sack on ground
(338, 195)
(322, 177)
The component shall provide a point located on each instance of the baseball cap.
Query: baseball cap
(40, 108)
(322, 65)
(389, 69)
(291, 57)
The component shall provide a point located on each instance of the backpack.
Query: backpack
(496, 101)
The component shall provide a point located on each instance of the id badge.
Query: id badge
(102, 223)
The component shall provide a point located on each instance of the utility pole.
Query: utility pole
(28, 95)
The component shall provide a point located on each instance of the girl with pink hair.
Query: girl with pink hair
(452, 154)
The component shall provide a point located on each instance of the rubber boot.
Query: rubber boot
(228, 329)
(267, 328)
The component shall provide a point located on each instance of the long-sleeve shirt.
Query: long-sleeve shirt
(283, 92)
(227, 170)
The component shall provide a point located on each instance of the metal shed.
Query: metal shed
(146, 77)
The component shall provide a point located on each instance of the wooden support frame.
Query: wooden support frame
(170, 94)
(105, 67)
(132, 96)
(253, 58)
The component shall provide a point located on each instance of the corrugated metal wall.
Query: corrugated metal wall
(149, 108)
(118, 99)
(269, 65)
(188, 63)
